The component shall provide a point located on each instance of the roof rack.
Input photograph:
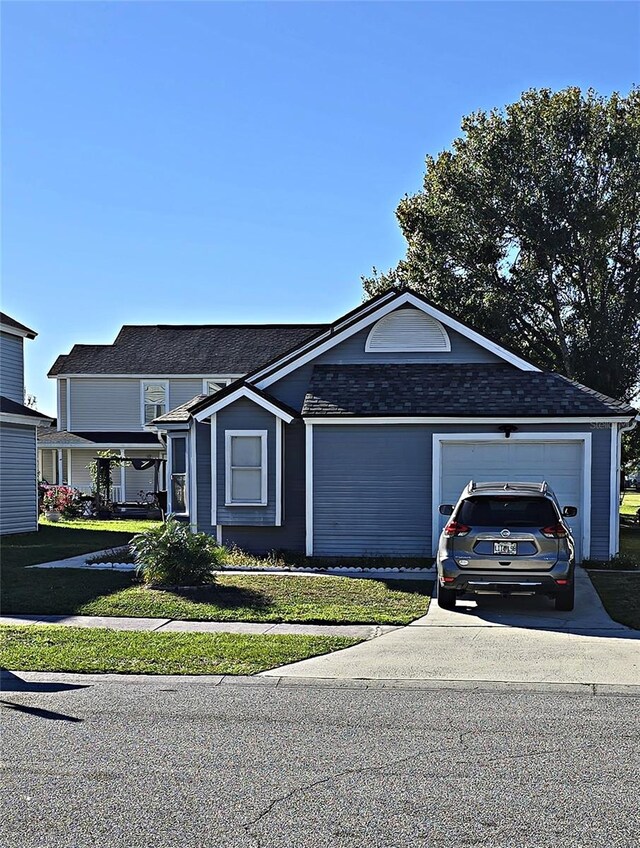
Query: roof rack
(543, 487)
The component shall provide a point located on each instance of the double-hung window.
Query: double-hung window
(246, 467)
(154, 399)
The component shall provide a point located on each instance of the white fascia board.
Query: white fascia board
(102, 446)
(384, 309)
(14, 418)
(243, 392)
(93, 376)
(153, 428)
(400, 419)
(15, 331)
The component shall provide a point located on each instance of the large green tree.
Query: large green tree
(529, 229)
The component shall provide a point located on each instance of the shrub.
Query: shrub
(63, 499)
(172, 555)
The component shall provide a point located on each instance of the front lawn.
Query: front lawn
(71, 649)
(620, 595)
(233, 597)
(630, 503)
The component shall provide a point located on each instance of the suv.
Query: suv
(506, 539)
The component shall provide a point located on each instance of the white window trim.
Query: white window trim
(206, 380)
(169, 475)
(145, 382)
(264, 477)
(585, 438)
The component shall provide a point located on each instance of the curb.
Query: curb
(28, 681)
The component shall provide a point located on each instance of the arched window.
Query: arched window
(407, 330)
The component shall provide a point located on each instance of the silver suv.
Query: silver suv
(506, 539)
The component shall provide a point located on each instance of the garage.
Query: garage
(558, 459)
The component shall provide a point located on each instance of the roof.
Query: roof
(48, 437)
(12, 407)
(182, 413)
(8, 321)
(451, 390)
(208, 349)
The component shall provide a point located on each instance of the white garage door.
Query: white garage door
(559, 463)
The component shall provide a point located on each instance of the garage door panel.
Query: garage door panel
(559, 463)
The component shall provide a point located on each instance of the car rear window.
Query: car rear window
(490, 511)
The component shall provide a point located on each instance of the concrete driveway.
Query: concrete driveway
(520, 640)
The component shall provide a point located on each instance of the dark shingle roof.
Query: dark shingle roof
(187, 349)
(12, 407)
(443, 390)
(48, 437)
(8, 321)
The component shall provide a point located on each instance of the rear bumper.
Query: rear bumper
(504, 582)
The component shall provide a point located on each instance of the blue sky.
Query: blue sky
(229, 162)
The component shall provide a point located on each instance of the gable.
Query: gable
(441, 326)
(407, 330)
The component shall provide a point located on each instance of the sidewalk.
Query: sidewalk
(168, 625)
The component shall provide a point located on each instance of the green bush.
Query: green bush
(171, 555)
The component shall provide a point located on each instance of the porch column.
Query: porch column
(123, 478)
(69, 466)
(59, 474)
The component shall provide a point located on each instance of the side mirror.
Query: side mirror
(570, 511)
(445, 509)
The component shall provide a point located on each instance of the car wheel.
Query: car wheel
(565, 599)
(446, 598)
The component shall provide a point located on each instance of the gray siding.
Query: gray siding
(600, 491)
(463, 350)
(180, 391)
(203, 471)
(80, 475)
(291, 535)
(11, 367)
(18, 507)
(62, 411)
(102, 404)
(245, 415)
(47, 469)
(372, 491)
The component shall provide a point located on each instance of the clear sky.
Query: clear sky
(207, 162)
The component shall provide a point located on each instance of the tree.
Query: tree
(529, 229)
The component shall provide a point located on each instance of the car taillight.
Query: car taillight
(455, 528)
(555, 531)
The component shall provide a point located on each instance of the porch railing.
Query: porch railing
(116, 491)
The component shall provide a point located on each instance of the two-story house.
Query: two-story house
(18, 434)
(107, 394)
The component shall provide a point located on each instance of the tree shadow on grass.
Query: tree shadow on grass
(409, 587)
(219, 595)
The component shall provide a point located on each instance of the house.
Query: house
(106, 394)
(346, 444)
(18, 434)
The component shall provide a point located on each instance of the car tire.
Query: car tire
(565, 598)
(446, 598)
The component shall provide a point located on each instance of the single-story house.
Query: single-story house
(347, 444)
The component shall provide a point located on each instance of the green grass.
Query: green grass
(234, 597)
(620, 594)
(630, 503)
(67, 539)
(266, 597)
(72, 649)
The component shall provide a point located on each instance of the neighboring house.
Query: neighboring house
(18, 434)
(346, 445)
(106, 394)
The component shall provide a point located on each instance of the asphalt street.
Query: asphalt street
(178, 763)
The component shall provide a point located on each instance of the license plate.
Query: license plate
(510, 548)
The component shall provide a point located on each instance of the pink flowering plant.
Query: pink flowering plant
(62, 499)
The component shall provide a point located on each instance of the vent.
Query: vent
(407, 330)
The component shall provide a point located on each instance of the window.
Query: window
(178, 502)
(514, 511)
(213, 385)
(154, 400)
(246, 467)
